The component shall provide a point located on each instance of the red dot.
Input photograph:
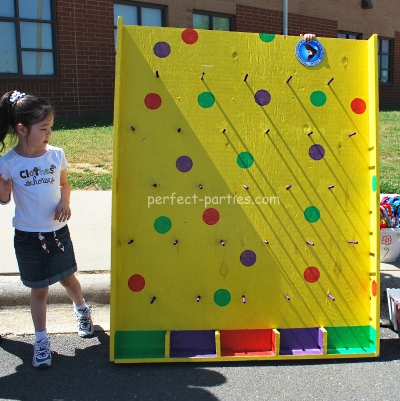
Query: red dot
(358, 106)
(190, 36)
(136, 283)
(374, 288)
(152, 101)
(211, 216)
(311, 274)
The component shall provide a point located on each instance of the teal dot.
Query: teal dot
(312, 214)
(222, 297)
(162, 224)
(374, 183)
(206, 99)
(267, 37)
(245, 160)
(318, 98)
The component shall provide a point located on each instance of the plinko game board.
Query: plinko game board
(245, 219)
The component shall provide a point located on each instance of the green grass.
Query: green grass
(87, 142)
(389, 127)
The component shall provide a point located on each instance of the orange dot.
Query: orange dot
(211, 216)
(153, 101)
(190, 36)
(311, 274)
(374, 288)
(136, 283)
(358, 106)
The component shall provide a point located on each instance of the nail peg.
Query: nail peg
(288, 186)
(132, 128)
(310, 243)
(179, 129)
(202, 75)
(266, 132)
(266, 242)
(352, 134)
(157, 74)
(130, 242)
(287, 297)
(245, 77)
(198, 298)
(201, 186)
(152, 300)
(222, 243)
(288, 80)
(175, 242)
(331, 186)
(353, 242)
(224, 130)
(330, 81)
(155, 185)
(243, 299)
(245, 186)
(309, 133)
(331, 296)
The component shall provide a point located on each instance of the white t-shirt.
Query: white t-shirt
(36, 188)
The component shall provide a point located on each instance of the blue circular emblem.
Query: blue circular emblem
(309, 54)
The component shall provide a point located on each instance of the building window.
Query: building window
(27, 45)
(134, 13)
(213, 21)
(385, 60)
(349, 35)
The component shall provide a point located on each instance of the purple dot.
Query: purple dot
(184, 164)
(162, 49)
(248, 258)
(316, 152)
(262, 97)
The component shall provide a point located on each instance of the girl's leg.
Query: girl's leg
(73, 288)
(38, 307)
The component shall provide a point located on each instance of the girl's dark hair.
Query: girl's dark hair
(27, 110)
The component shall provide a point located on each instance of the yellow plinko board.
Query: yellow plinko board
(245, 197)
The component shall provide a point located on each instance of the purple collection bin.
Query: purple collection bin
(301, 341)
(192, 344)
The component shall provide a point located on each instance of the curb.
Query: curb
(95, 289)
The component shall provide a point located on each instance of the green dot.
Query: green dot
(267, 37)
(374, 183)
(206, 99)
(318, 98)
(245, 160)
(162, 224)
(312, 214)
(222, 297)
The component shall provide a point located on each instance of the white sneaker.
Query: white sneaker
(85, 324)
(42, 354)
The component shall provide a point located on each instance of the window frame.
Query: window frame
(141, 5)
(17, 21)
(212, 14)
(390, 62)
(358, 36)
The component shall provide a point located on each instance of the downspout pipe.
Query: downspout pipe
(285, 17)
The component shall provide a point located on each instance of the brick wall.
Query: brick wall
(85, 38)
(86, 56)
(254, 19)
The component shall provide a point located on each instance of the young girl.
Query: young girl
(35, 173)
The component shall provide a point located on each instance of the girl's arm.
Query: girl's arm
(63, 211)
(5, 190)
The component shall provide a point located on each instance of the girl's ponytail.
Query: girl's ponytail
(16, 108)
(5, 111)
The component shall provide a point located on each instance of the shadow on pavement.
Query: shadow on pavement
(89, 375)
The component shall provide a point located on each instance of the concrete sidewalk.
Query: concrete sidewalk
(90, 227)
